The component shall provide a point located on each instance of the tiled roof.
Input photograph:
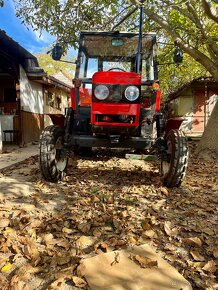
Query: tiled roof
(64, 78)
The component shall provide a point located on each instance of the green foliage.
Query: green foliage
(65, 19)
(172, 76)
(193, 24)
(51, 66)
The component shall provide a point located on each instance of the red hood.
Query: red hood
(114, 77)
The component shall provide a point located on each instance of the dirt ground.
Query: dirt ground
(106, 203)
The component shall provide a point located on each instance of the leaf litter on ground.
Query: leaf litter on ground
(107, 203)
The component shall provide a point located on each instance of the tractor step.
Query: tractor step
(141, 157)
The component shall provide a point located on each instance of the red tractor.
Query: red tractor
(115, 103)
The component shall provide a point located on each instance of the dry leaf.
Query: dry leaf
(81, 270)
(149, 233)
(26, 271)
(210, 267)
(17, 283)
(208, 231)
(84, 242)
(144, 262)
(4, 222)
(67, 231)
(30, 250)
(57, 284)
(170, 231)
(49, 239)
(132, 240)
(95, 198)
(195, 241)
(63, 260)
(79, 282)
(84, 227)
(146, 224)
(215, 253)
(197, 256)
(28, 207)
(196, 265)
(65, 273)
(164, 190)
(96, 233)
(101, 247)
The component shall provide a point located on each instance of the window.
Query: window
(116, 65)
(83, 65)
(148, 69)
(50, 100)
(58, 103)
(92, 67)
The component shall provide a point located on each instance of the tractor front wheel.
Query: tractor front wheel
(52, 164)
(175, 161)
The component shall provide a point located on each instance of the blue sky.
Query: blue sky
(30, 40)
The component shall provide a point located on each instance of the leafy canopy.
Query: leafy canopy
(51, 66)
(192, 24)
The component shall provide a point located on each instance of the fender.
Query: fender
(57, 119)
(173, 123)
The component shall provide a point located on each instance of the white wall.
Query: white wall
(31, 94)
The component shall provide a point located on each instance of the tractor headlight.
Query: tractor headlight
(101, 92)
(132, 93)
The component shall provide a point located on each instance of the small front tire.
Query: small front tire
(173, 169)
(52, 164)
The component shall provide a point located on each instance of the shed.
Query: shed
(194, 101)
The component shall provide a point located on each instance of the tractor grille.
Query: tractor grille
(122, 119)
(116, 94)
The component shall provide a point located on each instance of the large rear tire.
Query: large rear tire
(52, 164)
(173, 169)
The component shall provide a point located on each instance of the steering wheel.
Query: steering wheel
(115, 68)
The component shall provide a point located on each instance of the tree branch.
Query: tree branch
(208, 10)
(124, 18)
(211, 46)
(193, 52)
(179, 9)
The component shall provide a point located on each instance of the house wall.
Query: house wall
(183, 106)
(32, 103)
(196, 105)
(32, 126)
(31, 94)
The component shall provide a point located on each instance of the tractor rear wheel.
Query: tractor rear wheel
(173, 169)
(52, 164)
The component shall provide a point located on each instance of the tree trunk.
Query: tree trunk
(209, 139)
